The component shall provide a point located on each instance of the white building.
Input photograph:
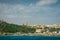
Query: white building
(38, 30)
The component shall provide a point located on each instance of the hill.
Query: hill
(12, 28)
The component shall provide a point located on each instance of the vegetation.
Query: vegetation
(13, 28)
(6, 27)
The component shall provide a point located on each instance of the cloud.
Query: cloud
(33, 13)
(46, 2)
(10, 16)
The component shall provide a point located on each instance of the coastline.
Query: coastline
(40, 34)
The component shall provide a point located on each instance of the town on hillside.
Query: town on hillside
(31, 30)
(51, 30)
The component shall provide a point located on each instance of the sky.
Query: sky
(30, 11)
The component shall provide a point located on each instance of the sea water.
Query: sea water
(29, 38)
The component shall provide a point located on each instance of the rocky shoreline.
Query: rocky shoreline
(30, 34)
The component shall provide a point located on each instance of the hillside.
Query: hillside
(6, 27)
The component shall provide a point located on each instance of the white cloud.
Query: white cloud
(18, 11)
(46, 2)
(10, 16)
(26, 10)
(27, 16)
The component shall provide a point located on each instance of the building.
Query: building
(42, 26)
(38, 31)
(25, 24)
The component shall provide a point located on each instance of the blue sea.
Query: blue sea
(29, 38)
